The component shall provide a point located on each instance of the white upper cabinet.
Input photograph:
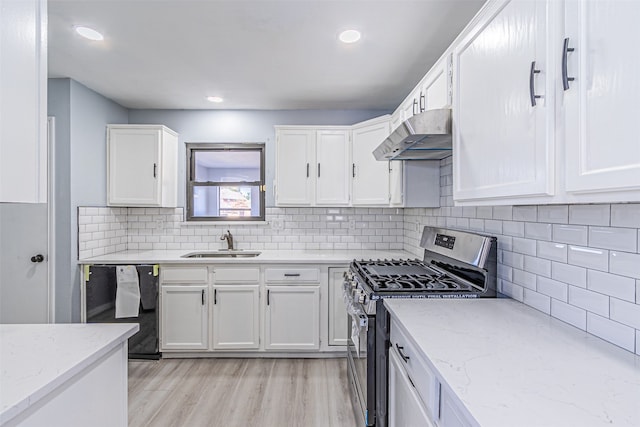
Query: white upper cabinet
(370, 177)
(332, 169)
(142, 166)
(23, 101)
(295, 157)
(436, 90)
(503, 118)
(601, 100)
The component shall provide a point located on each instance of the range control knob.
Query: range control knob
(362, 297)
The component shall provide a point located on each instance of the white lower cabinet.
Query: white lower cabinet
(338, 321)
(184, 317)
(292, 317)
(236, 317)
(405, 407)
(450, 413)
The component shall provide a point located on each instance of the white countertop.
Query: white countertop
(266, 257)
(36, 359)
(513, 366)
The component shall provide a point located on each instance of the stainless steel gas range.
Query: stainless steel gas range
(456, 264)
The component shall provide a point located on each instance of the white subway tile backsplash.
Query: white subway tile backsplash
(570, 274)
(590, 301)
(590, 214)
(525, 213)
(614, 332)
(571, 234)
(510, 289)
(621, 239)
(525, 279)
(538, 231)
(513, 259)
(625, 264)
(538, 266)
(503, 212)
(553, 288)
(484, 212)
(625, 312)
(493, 226)
(524, 246)
(568, 313)
(537, 301)
(553, 214)
(597, 259)
(512, 228)
(612, 285)
(552, 251)
(625, 215)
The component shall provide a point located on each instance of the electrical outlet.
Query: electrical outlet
(352, 224)
(159, 224)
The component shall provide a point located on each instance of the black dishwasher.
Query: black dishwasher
(100, 303)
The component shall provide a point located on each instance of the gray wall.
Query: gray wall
(241, 126)
(81, 118)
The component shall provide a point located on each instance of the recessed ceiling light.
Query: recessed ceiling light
(89, 33)
(217, 99)
(349, 36)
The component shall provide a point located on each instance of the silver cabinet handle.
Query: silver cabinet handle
(414, 109)
(565, 75)
(532, 84)
(423, 103)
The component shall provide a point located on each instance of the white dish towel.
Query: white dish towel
(127, 292)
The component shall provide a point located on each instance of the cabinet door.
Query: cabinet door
(236, 312)
(410, 107)
(601, 104)
(437, 86)
(134, 162)
(396, 119)
(370, 177)
(23, 101)
(405, 407)
(504, 145)
(184, 317)
(396, 184)
(451, 415)
(338, 321)
(292, 318)
(295, 167)
(333, 167)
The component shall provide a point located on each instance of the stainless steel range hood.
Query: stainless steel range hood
(425, 136)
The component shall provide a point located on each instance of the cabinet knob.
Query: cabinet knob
(37, 258)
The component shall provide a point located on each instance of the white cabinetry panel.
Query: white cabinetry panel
(370, 177)
(184, 318)
(295, 167)
(601, 104)
(23, 101)
(332, 169)
(236, 317)
(405, 407)
(338, 322)
(142, 166)
(292, 318)
(504, 145)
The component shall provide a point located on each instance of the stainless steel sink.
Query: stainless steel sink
(223, 254)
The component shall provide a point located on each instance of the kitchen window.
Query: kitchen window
(225, 182)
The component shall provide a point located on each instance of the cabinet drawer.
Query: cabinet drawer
(421, 374)
(293, 275)
(184, 274)
(236, 275)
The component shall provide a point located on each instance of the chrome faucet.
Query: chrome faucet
(229, 238)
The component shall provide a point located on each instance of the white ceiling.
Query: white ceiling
(256, 54)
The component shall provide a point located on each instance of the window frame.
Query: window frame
(221, 147)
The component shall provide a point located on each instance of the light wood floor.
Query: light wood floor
(239, 392)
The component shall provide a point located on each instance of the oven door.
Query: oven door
(361, 363)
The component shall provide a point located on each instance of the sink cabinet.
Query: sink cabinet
(236, 309)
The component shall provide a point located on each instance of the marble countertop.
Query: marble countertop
(265, 257)
(36, 359)
(511, 365)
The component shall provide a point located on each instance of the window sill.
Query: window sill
(226, 223)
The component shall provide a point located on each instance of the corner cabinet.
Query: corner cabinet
(503, 110)
(23, 101)
(142, 166)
